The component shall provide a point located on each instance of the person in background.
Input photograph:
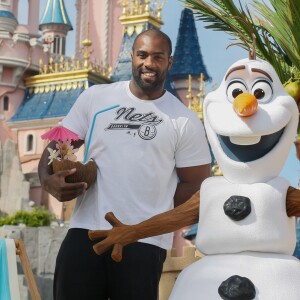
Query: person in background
(152, 155)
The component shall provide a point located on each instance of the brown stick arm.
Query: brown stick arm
(121, 235)
(293, 202)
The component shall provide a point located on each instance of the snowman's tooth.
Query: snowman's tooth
(244, 140)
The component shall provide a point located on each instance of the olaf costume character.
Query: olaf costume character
(245, 232)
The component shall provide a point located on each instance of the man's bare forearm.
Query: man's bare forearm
(293, 202)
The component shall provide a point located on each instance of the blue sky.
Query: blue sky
(215, 56)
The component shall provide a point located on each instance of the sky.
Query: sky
(215, 56)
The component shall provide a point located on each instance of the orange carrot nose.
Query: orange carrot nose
(245, 105)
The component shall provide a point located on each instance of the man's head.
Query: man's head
(151, 61)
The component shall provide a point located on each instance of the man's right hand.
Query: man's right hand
(56, 185)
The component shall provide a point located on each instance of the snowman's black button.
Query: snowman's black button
(237, 288)
(237, 207)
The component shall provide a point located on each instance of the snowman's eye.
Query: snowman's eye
(235, 88)
(262, 90)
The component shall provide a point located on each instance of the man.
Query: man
(141, 149)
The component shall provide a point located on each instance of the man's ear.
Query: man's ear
(170, 62)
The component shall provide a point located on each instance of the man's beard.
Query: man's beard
(145, 86)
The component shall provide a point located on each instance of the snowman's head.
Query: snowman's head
(250, 122)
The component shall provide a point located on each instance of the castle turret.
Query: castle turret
(55, 25)
(19, 53)
(187, 57)
(8, 21)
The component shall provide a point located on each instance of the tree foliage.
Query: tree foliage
(276, 27)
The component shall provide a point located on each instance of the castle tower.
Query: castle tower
(55, 25)
(187, 57)
(19, 51)
(99, 21)
(8, 21)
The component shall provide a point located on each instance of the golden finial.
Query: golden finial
(200, 85)
(196, 102)
(136, 8)
(87, 42)
(147, 9)
(41, 66)
(159, 9)
(86, 52)
(216, 171)
(61, 63)
(189, 94)
(124, 5)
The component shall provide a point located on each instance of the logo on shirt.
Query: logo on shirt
(144, 124)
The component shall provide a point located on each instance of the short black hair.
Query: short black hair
(159, 33)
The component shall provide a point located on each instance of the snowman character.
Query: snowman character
(245, 230)
(246, 217)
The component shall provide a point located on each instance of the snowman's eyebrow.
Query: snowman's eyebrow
(234, 69)
(262, 72)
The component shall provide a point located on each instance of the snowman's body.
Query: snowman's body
(258, 247)
(275, 276)
(244, 230)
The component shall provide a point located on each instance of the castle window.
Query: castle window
(56, 47)
(63, 45)
(5, 103)
(30, 142)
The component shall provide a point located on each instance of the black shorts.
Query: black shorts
(80, 274)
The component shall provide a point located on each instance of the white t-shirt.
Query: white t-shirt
(137, 148)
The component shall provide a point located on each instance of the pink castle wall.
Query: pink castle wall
(105, 30)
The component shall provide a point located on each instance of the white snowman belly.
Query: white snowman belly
(266, 228)
(274, 276)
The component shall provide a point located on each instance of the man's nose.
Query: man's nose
(149, 61)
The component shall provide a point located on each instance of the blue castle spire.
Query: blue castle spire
(55, 13)
(187, 54)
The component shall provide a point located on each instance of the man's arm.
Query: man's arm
(293, 202)
(190, 180)
(183, 215)
(55, 184)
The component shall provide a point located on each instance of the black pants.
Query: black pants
(80, 274)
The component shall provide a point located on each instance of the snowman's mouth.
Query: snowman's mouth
(249, 149)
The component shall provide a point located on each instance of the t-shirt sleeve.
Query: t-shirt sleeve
(192, 148)
(77, 120)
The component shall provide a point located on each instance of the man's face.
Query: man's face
(151, 61)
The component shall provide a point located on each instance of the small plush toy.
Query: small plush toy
(246, 225)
